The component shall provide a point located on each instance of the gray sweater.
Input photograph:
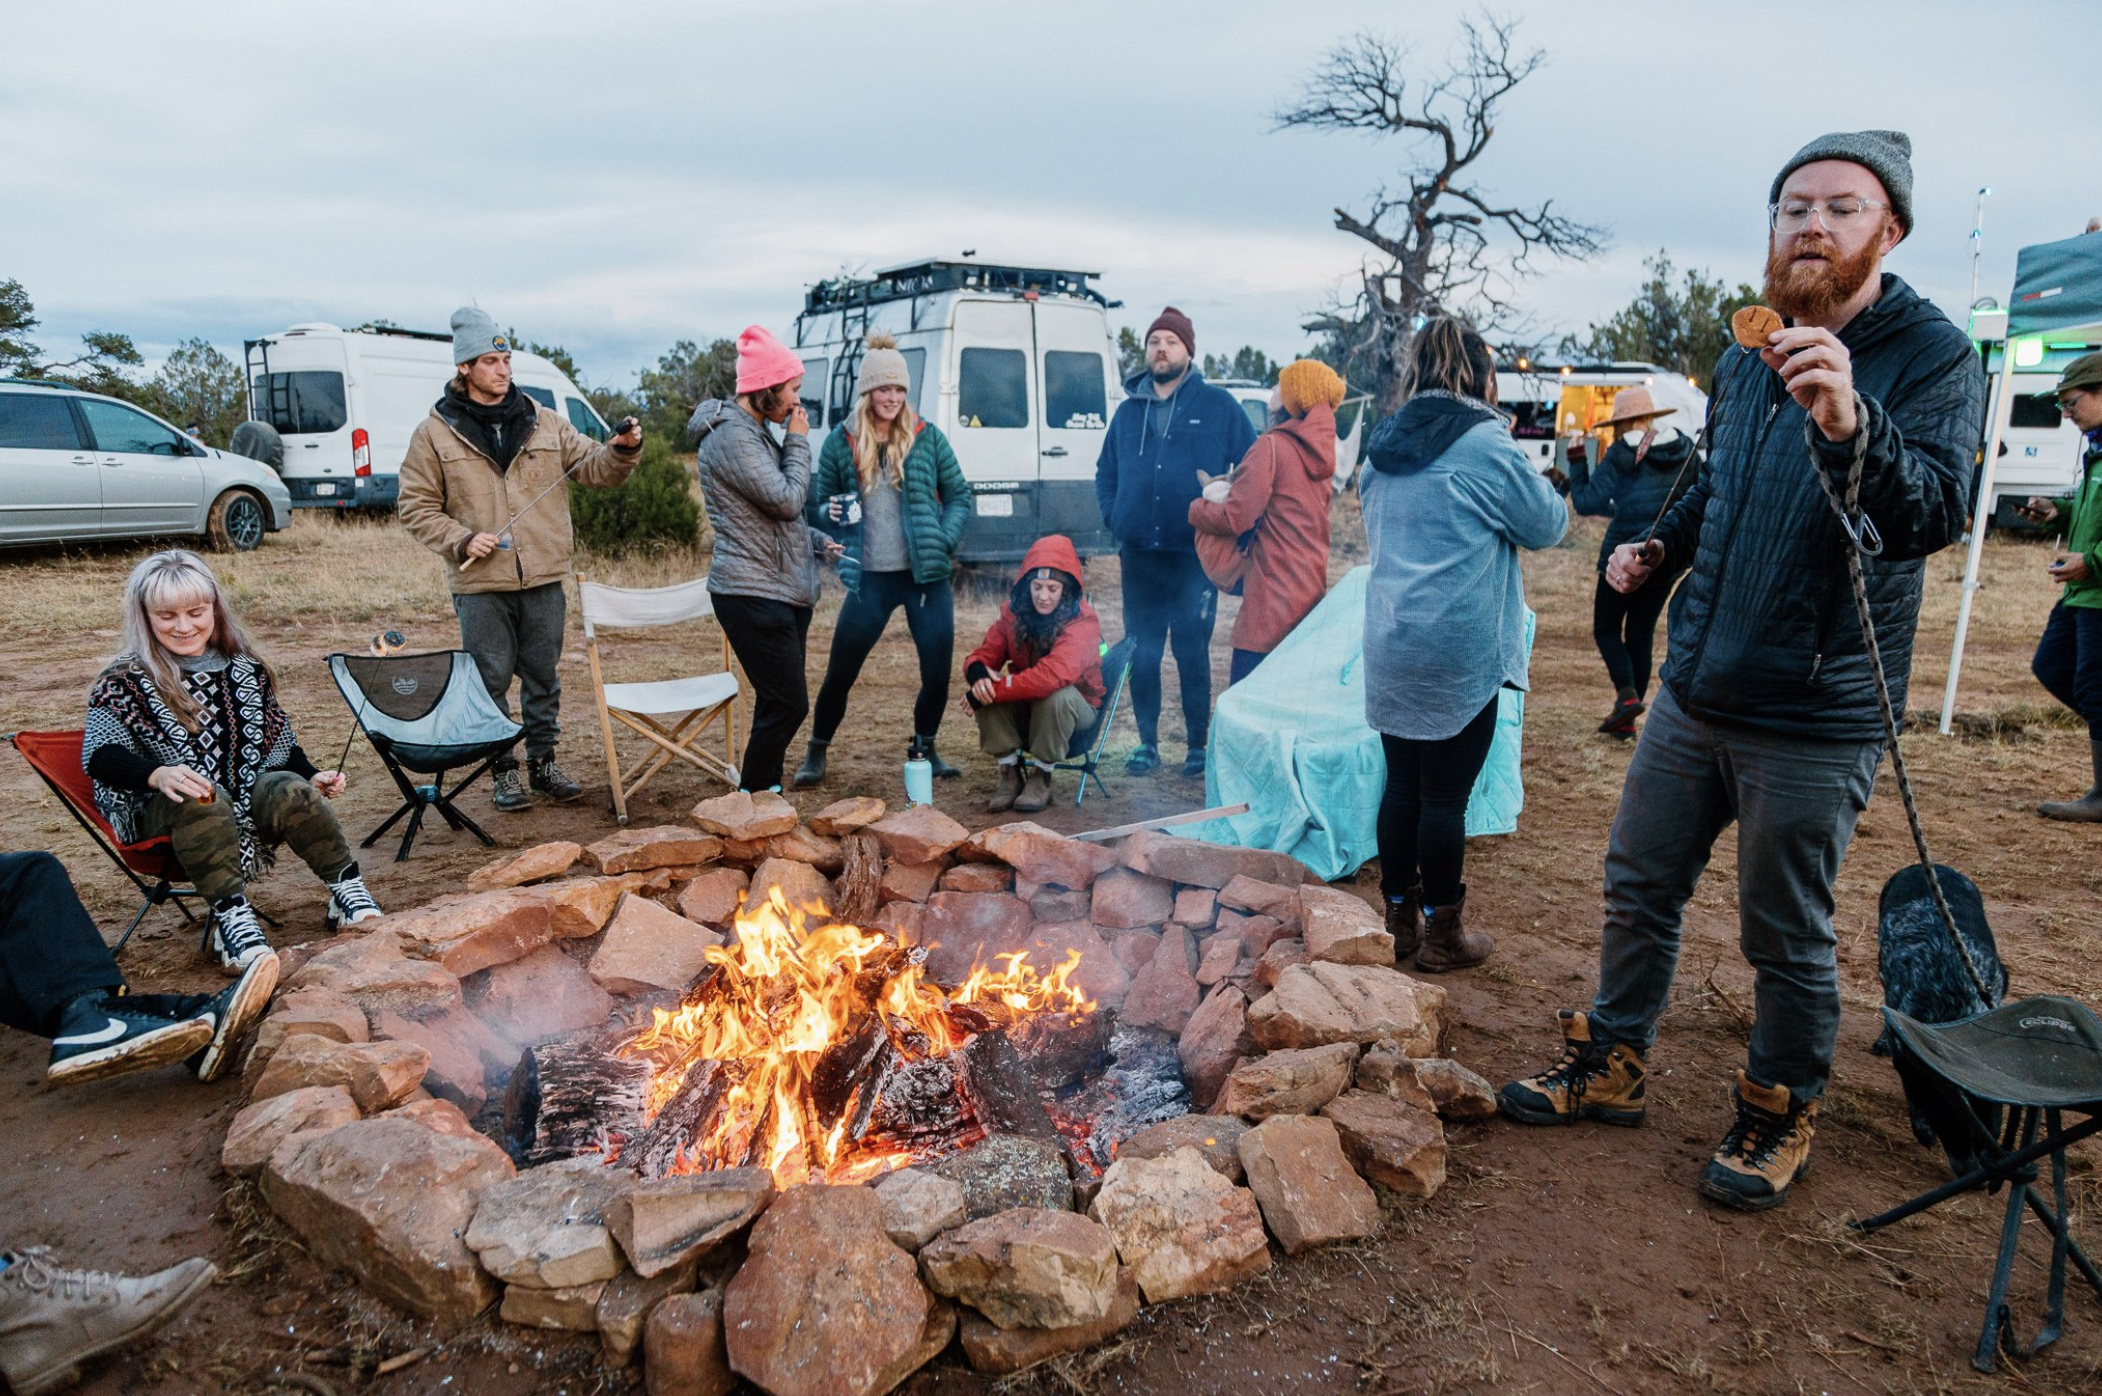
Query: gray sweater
(755, 490)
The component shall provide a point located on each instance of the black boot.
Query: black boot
(812, 771)
(1405, 922)
(2088, 808)
(942, 769)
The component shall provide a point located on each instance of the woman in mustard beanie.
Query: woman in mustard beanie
(888, 487)
(1273, 510)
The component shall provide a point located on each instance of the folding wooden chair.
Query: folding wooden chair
(1084, 752)
(670, 714)
(150, 864)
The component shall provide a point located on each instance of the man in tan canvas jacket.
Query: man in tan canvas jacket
(488, 453)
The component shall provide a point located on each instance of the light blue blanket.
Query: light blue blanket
(1291, 740)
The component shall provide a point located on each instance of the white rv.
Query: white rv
(347, 402)
(1551, 404)
(2039, 448)
(1017, 367)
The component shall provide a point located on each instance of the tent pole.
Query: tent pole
(1980, 516)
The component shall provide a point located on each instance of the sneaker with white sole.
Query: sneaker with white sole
(52, 1320)
(100, 1035)
(232, 1012)
(237, 935)
(349, 901)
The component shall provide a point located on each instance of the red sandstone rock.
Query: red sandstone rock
(901, 921)
(1344, 929)
(1393, 1144)
(259, 1128)
(1124, 900)
(647, 947)
(1281, 956)
(662, 846)
(625, 1306)
(994, 1350)
(320, 1012)
(978, 877)
(909, 882)
(1199, 864)
(1058, 904)
(440, 1116)
(918, 835)
(801, 886)
(545, 1229)
(1219, 957)
(1318, 1003)
(664, 1222)
(573, 1308)
(580, 907)
(964, 929)
(1291, 1082)
(798, 845)
(1261, 898)
(1181, 1227)
(919, 1206)
(1196, 907)
(1458, 1092)
(473, 932)
(535, 864)
(1164, 994)
(1257, 932)
(745, 815)
(542, 996)
(1134, 948)
(1215, 1038)
(1031, 1267)
(712, 898)
(377, 1074)
(843, 817)
(454, 1068)
(1387, 1070)
(1100, 975)
(1213, 1136)
(683, 1349)
(372, 972)
(1308, 1191)
(1040, 855)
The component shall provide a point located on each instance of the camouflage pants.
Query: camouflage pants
(286, 809)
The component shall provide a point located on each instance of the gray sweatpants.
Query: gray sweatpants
(1794, 802)
(519, 633)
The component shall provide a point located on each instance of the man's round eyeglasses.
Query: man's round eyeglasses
(2068, 398)
(1793, 215)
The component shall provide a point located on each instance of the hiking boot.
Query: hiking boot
(236, 935)
(1405, 922)
(1589, 1083)
(547, 779)
(1447, 944)
(812, 771)
(101, 1035)
(1036, 790)
(1010, 786)
(1193, 763)
(52, 1320)
(2088, 808)
(348, 900)
(231, 1012)
(510, 794)
(1143, 761)
(1620, 722)
(1766, 1150)
(942, 769)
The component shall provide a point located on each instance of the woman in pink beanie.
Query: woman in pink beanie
(764, 571)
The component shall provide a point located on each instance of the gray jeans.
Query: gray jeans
(519, 633)
(1795, 802)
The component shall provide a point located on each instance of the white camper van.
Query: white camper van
(1015, 365)
(1551, 403)
(347, 402)
(2039, 448)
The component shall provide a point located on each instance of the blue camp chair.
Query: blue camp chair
(426, 713)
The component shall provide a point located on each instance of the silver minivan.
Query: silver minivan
(77, 466)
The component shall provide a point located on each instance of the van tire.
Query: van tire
(259, 441)
(237, 522)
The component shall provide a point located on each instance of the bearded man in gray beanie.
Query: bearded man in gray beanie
(479, 488)
(1769, 715)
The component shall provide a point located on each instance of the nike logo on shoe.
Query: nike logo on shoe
(109, 1033)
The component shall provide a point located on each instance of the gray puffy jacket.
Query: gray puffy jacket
(755, 490)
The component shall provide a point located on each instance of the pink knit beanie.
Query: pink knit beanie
(763, 361)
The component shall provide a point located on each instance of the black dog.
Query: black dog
(1924, 978)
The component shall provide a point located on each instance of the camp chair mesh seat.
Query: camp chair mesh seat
(1084, 752)
(150, 864)
(2039, 1059)
(426, 713)
(669, 714)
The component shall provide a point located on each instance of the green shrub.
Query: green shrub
(656, 508)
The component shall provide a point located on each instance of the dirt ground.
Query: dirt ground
(1574, 1261)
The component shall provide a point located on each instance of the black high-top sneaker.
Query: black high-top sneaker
(237, 935)
(349, 901)
(1766, 1150)
(231, 1013)
(1589, 1083)
(101, 1035)
(547, 779)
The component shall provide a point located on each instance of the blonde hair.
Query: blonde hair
(176, 577)
(877, 446)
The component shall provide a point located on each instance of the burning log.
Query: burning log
(916, 1107)
(1002, 1092)
(686, 1117)
(1143, 1085)
(573, 1096)
(1062, 1049)
(861, 878)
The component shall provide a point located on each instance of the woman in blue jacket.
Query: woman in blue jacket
(1449, 501)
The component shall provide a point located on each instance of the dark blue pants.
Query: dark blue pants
(1168, 600)
(2068, 661)
(50, 952)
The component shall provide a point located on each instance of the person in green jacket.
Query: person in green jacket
(888, 486)
(2069, 656)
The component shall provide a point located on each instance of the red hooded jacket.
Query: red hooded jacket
(1282, 483)
(1075, 657)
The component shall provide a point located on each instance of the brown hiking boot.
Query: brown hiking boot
(1766, 1150)
(1589, 1083)
(1405, 923)
(1449, 945)
(1036, 791)
(52, 1320)
(1010, 786)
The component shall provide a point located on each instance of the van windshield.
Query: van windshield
(544, 396)
(302, 402)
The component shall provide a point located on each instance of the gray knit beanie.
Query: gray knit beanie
(882, 366)
(1885, 154)
(475, 334)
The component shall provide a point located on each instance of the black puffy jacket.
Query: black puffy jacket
(1763, 630)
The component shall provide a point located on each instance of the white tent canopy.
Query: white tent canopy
(2057, 294)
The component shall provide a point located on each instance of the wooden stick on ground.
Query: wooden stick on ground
(1193, 817)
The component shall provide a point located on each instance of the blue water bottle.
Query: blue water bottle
(919, 775)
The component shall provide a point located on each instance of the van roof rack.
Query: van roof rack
(926, 278)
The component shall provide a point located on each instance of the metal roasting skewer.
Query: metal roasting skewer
(627, 424)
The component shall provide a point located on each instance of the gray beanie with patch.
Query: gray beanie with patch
(475, 334)
(1885, 154)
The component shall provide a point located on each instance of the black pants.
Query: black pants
(50, 952)
(2068, 661)
(1625, 629)
(1243, 664)
(1168, 599)
(768, 638)
(930, 614)
(1423, 811)
(519, 634)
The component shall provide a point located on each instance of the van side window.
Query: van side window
(1074, 394)
(580, 417)
(38, 421)
(2033, 410)
(813, 393)
(118, 428)
(915, 369)
(544, 396)
(299, 403)
(992, 388)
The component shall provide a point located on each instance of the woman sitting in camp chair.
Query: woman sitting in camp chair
(1036, 679)
(186, 741)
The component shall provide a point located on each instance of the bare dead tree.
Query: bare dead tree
(1443, 243)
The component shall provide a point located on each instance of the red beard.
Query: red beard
(1809, 292)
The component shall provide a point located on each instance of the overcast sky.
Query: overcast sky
(618, 175)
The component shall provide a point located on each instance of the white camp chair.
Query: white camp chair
(687, 705)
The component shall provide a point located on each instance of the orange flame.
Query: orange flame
(789, 989)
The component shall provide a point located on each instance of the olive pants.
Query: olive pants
(1043, 728)
(286, 809)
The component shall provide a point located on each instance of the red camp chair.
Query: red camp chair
(150, 865)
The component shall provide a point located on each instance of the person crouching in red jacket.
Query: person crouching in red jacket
(1036, 678)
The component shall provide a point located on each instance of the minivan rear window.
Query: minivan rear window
(37, 421)
(1075, 393)
(302, 402)
(2034, 410)
(992, 388)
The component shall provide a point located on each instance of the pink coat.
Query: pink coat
(1283, 485)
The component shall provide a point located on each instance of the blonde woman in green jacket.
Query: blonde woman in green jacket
(888, 486)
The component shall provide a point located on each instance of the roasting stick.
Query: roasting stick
(627, 424)
(1193, 817)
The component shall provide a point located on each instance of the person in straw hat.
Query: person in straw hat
(1641, 474)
